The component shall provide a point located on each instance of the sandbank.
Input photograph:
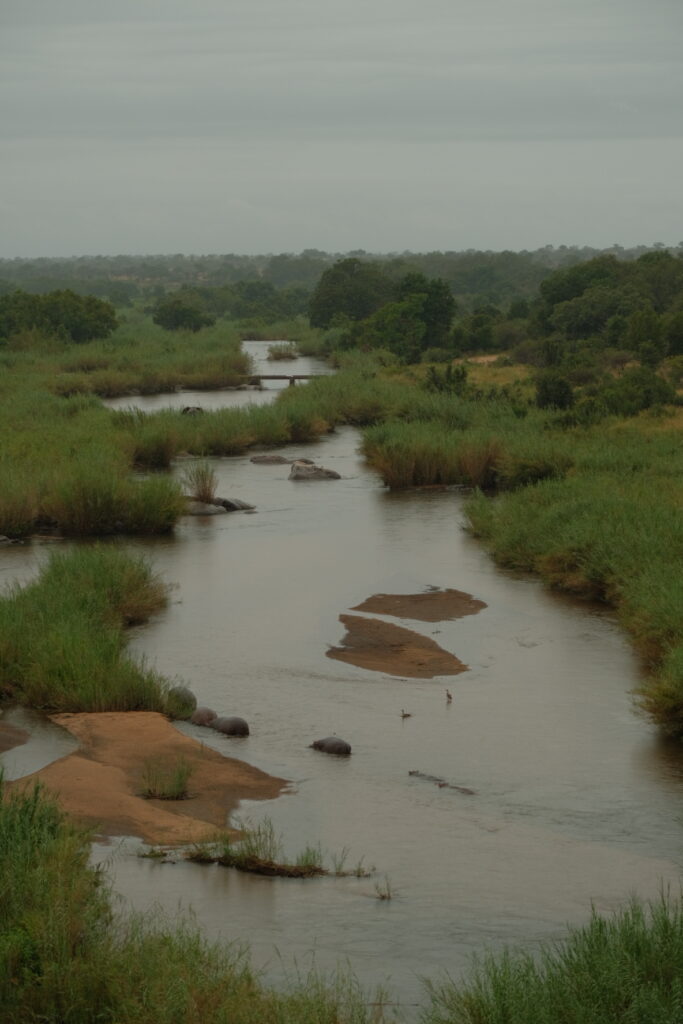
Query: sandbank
(430, 606)
(384, 647)
(100, 784)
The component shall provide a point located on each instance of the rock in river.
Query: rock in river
(307, 471)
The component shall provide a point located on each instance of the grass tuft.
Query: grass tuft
(200, 481)
(166, 779)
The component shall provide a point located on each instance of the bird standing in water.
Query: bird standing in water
(449, 696)
(405, 714)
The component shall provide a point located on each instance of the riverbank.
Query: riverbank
(101, 785)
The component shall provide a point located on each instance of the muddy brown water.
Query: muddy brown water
(576, 799)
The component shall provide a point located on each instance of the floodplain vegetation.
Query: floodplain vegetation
(588, 496)
(63, 635)
(66, 955)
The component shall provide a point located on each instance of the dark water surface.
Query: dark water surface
(576, 799)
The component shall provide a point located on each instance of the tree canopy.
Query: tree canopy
(61, 314)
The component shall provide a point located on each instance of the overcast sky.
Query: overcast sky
(253, 126)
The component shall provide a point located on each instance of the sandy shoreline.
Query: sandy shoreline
(100, 784)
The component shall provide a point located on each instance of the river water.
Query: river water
(576, 799)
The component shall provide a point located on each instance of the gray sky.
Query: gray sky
(251, 126)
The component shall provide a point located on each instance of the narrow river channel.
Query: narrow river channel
(576, 800)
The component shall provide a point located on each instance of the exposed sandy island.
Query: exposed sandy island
(431, 606)
(11, 736)
(99, 784)
(383, 647)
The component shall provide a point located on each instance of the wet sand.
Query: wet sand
(431, 606)
(100, 784)
(383, 647)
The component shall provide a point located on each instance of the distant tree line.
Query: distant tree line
(475, 277)
(59, 314)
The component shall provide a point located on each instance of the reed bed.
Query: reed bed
(62, 637)
(141, 358)
(283, 351)
(426, 453)
(627, 967)
(609, 535)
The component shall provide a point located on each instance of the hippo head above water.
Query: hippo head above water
(332, 745)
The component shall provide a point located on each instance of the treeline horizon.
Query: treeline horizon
(472, 274)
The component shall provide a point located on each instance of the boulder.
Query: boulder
(270, 460)
(332, 745)
(230, 726)
(233, 504)
(307, 471)
(191, 410)
(203, 716)
(201, 508)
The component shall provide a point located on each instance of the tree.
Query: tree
(438, 307)
(353, 287)
(553, 392)
(398, 327)
(60, 314)
(177, 314)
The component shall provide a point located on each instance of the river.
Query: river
(576, 798)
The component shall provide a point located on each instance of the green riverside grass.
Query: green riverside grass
(615, 970)
(62, 636)
(593, 510)
(66, 956)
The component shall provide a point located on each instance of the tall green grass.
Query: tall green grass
(142, 358)
(62, 637)
(426, 452)
(611, 533)
(616, 970)
(65, 956)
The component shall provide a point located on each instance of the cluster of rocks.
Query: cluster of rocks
(215, 507)
(302, 469)
(233, 726)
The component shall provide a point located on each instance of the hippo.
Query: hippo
(182, 701)
(332, 745)
(203, 716)
(230, 726)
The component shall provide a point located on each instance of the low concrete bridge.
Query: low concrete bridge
(257, 378)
